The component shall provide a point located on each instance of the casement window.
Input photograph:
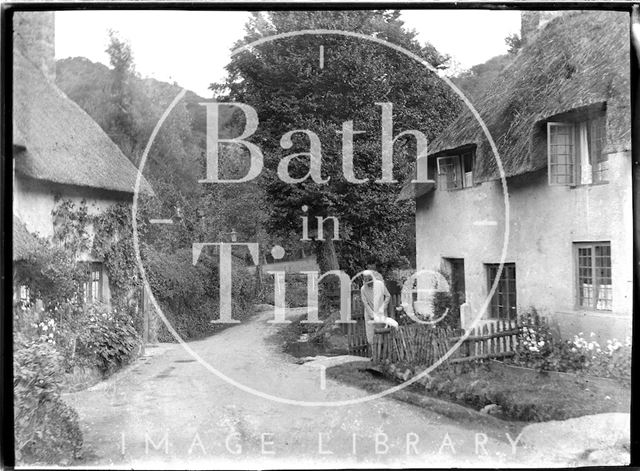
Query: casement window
(503, 302)
(93, 286)
(24, 295)
(593, 267)
(456, 171)
(575, 152)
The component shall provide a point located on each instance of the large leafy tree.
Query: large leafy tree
(284, 81)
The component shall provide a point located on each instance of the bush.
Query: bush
(46, 429)
(612, 361)
(541, 349)
(189, 295)
(106, 339)
(52, 275)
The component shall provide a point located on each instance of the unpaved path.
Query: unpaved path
(168, 410)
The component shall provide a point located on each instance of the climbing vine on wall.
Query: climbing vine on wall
(70, 225)
(113, 243)
(112, 240)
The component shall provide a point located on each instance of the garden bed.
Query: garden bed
(520, 394)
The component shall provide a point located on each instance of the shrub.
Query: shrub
(106, 338)
(540, 348)
(52, 275)
(46, 429)
(612, 361)
(189, 295)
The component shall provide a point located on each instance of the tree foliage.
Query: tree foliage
(514, 42)
(283, 81)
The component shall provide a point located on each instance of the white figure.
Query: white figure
(375, 298)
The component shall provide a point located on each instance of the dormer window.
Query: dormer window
(575, 151)
(455, 171)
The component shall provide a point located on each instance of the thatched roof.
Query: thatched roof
(24, 243)
(63, 144)
(577, 60)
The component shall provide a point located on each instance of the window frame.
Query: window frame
(594, 276)
(594, 123)
(88, 287)
(512, 310)
(571, 126)
(460, 169)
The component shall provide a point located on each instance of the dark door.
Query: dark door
(457, 280)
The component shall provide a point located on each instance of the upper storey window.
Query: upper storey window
(455, 171)
(575, 151)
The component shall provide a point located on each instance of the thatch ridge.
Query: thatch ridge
(576, 60)
(63, 144)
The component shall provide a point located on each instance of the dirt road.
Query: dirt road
(168, 410)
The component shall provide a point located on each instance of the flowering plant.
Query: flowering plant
(540, 348)
(612, 360)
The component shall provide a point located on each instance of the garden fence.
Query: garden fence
(425, 344)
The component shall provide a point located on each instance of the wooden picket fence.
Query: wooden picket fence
(422, 344)
(415, 344)
(492, 340)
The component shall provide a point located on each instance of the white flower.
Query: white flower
(45, 328)
(51, 335)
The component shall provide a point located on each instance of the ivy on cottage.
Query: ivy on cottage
(112, 240)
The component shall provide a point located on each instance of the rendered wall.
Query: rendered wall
(545, 221)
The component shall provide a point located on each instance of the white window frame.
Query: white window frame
(551, 125)
(587, 168)
(601, 294)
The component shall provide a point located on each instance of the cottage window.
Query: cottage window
(593, 263)
(455, 171)
(93, 287)
(575, 152)
(24, 295)
(503, 301)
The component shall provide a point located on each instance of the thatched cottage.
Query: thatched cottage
(58, 150)
(559, 114)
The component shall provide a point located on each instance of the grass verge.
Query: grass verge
(521, 395)
(357, 374)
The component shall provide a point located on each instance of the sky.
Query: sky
(192, 48)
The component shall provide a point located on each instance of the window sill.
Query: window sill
(457, 189)
(581, 312)
(586, 185)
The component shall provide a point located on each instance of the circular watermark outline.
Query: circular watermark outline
(371, 397)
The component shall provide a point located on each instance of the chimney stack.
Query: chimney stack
(532, 21)
(34, 38)
(529, 22)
